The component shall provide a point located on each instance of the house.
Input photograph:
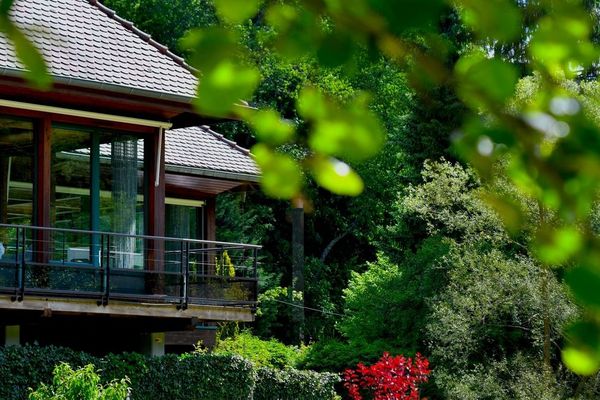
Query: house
(107, 191)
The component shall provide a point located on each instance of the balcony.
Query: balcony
(78, 271)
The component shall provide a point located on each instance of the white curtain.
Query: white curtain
(124, 159)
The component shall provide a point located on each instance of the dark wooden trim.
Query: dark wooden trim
(63, 95)
(210, 219)
(155, 208)
(43, 158)
(42, 192)
(210, 230)
(67, 119)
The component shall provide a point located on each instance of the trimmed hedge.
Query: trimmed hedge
(170, 377)
(294, 384)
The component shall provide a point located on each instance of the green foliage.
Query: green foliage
(273, 314)
(292, 384)
(166, 20)
(82, 384)
(262, 353)
(337, 355)
(172, 377)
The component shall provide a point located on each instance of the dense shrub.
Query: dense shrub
(263, 353)
(171, 377)
(293, 384)
(80, 384)
(389, 378)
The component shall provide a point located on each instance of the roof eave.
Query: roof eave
(110, 87)
(232, 176)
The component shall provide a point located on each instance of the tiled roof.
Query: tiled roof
(83, 41)
(202, 149)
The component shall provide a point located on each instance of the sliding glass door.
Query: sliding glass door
(16, 181)
(97, 184)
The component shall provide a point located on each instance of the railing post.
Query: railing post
(17, 267)
(106, 295)
(255, 263)
(184, 271)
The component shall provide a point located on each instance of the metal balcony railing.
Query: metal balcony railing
(107, 266)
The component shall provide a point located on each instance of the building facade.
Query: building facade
(107, 191)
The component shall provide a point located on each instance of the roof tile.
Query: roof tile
(114, 51)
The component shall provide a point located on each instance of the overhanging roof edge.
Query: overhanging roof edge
(235, 176)
(110, 87)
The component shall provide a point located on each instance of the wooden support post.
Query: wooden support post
(12, 335)
(210, 229)
(154, 344)
(154, 163)
(43, 196)
(4, 187)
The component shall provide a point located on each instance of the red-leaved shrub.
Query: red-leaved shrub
(390, 378)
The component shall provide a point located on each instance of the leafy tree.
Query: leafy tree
(81, 384)
(166, 20)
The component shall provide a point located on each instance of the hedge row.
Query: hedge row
(171, 377)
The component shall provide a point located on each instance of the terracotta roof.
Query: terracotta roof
(202, 151)
(84, 42)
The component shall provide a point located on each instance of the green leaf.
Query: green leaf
(561, 44)
(281, 176)
(406, 15)
(36, 70)
(298, 30)
(5, 6)
(353, 132)
(555, 247)
(584, 281)
(336, 176)
(312, 104)
(485, 81)
(580, 362)
(270, 127)
(236, 11)
(209, 47)
(221, 88)
(494, 19)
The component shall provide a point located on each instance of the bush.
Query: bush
(389, 378)
(190, 376)
(292, 384)
(83, 384)
(263, 353)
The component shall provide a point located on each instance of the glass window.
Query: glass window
(16, 180)
(97, 184)
(122, 196)
(16, 171)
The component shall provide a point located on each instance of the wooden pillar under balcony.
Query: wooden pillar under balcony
(154, 173)
(4, 185)
(210, 219)
(210, 229)
(43, 194)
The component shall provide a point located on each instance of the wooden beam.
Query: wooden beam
(154, 182)
(123, 308)
(210, 219)
(43, 193)
(43, 159)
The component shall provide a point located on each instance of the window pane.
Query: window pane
(70, 205)
(122, 199)
(16, 171)
(16, 186)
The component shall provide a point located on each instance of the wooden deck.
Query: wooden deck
(52, 305)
